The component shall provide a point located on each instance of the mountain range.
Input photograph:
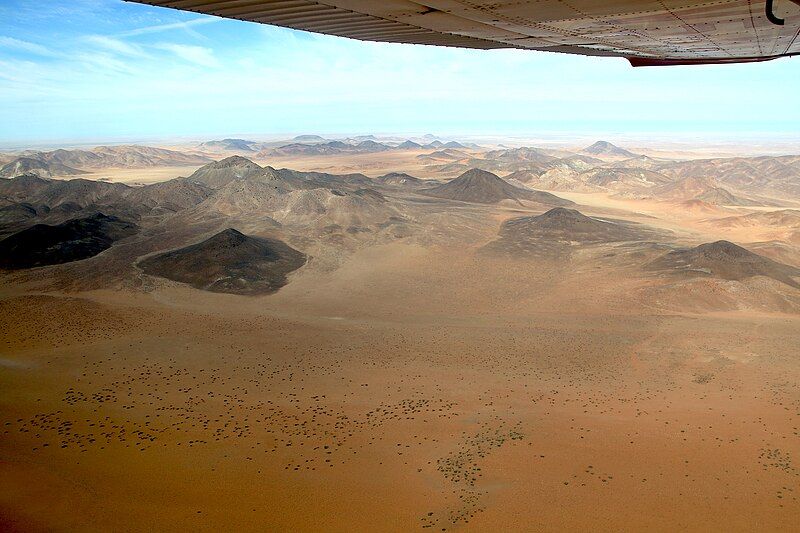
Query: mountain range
(73, 162)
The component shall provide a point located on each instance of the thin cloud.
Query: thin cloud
(26, 46)
(186, 25)
(103, 63)
(198, 55)
(115, 45)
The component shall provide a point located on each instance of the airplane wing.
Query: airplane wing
(646, 32)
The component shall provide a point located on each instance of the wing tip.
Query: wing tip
(669, 62)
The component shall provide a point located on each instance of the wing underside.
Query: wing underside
(660, 32)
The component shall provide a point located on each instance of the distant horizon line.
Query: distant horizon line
(697, 138)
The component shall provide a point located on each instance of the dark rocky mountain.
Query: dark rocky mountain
(557, 231)
(16, 212)
(239, 169)
(39, 167)
(556, 173)
(705, 189)
(312, 180)
(219, 173)
(517, 155)
(81, 192)
(339, 145)
(122, 156)
(53, 193)
(765, 175)
(22, 186)
(371, 146)
(303, 199)
(725, 260)
(333, 147)
(605, 148)
(76, 239)
(53, 201)
(371, 194)
(262, 192)
(523, 165)
(720, 196)
(326, 148)
(234, 186)
(569, 225)
(229, 262)
(400, 179)
(168, 196)
(480, 186)
(409, 145)
(622, 179)
(239, 145)
(528, 175)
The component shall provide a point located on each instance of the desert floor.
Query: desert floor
(414, 387)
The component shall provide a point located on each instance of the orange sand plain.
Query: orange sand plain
(415, 387)
(328, 407)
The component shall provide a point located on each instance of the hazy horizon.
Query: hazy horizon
(718, 144)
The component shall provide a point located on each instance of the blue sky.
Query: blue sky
(108, 70)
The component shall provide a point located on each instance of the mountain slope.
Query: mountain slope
(556, 232)
(480, 186)
(326, 148)
(240, 145)
(39, 167)
(76, 239)
(784, 218)
(399, 179)
(723, 259)
(568, 225)
(229, 262)
(695, 188)
(605, 148)
(409, 145)
(122, 156)
(54, 199)
(219, 173)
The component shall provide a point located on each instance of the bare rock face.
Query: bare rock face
(725, 260)
(76, 239)
(229, 262)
